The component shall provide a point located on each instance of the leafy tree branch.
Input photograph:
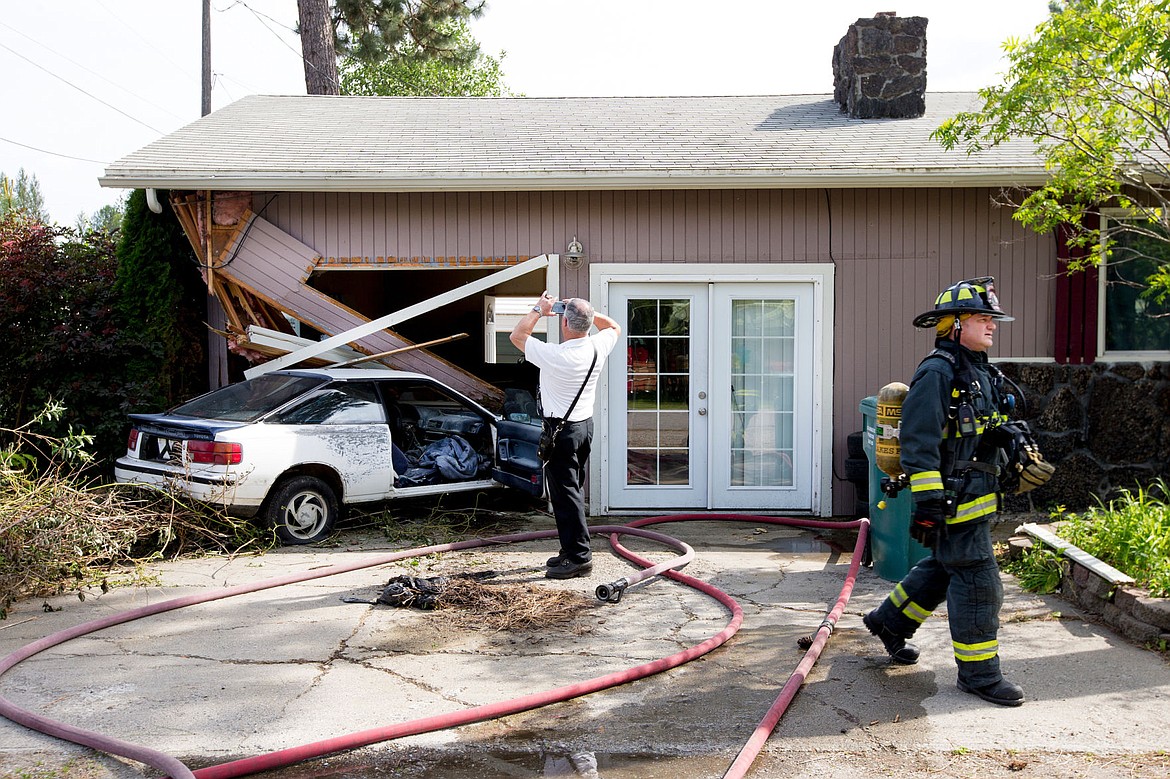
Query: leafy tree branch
(1090, 89)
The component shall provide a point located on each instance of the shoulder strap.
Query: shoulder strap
(573, 405)
(944, 354)
(958, 390)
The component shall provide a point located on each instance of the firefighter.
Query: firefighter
(954, 397)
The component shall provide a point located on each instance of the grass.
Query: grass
(1131, 533)
(1038, 569)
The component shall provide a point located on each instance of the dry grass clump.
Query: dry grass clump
(509, 607)
(60, 533)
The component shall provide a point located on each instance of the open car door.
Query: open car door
(518, 464)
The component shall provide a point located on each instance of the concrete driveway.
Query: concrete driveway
(287, 666)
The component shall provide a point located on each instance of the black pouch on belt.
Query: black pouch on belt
(548, 437)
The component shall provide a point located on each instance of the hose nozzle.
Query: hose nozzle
(612, 593)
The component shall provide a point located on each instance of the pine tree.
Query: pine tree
(22, 194)
(373, 30)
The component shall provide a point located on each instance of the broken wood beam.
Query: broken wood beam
(382, 323)
(411, 348)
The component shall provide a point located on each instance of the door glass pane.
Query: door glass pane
(658, 392)
(763, 342)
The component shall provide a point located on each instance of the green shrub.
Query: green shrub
(1038, 569)
(162, 299)
(59, 339)
(1131, 533)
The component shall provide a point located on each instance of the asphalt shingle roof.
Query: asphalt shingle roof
(320, 143)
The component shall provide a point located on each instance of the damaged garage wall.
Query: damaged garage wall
(259, 273)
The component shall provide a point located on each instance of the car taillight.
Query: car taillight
(132, 441)
(215, 452)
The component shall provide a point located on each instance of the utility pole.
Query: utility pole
(206, 57)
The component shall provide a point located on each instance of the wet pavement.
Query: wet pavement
(282, 667)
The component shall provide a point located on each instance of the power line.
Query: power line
(417, 88)
(54, 153)
(257, 14)
(147, 41)
(218, 82)
(79, 89)
(92, 72)
(300, 55)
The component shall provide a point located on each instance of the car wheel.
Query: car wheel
(302, 510)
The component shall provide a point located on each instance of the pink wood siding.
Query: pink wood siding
(894, 251)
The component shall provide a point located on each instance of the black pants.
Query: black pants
(565, 475)
(963, 572)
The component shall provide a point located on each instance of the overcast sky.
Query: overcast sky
(86, 82)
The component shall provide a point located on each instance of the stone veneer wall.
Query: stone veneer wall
(1104, 426)
(879, 68)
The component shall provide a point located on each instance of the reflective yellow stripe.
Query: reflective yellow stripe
(899, 596)
(927, 480)
(971, 653)
(915, 612)
(908, 607)
(980, 507)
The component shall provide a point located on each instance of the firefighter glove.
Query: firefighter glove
(924, 524)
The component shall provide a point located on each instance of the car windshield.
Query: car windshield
(249, 400)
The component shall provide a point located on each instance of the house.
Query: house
(764, 254)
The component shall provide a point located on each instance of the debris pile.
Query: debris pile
(481, 605)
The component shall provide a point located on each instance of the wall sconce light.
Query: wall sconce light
(575, 254)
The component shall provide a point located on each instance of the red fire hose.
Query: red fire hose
(176, 769)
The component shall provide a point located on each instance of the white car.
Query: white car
(296, 446)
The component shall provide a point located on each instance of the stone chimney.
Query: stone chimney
(879, 68)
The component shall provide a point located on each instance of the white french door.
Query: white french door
(657, 424)
(715, 406)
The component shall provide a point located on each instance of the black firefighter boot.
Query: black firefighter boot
(1001, 693)
(896, 646)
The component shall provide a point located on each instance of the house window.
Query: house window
(1134, 323)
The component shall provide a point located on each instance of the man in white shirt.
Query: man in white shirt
(563, 371)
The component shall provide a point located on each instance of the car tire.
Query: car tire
(301, 510)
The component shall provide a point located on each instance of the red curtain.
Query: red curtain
(1076, 301)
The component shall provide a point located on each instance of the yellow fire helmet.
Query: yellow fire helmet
(970, 296)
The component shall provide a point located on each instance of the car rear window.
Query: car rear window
(249, 400)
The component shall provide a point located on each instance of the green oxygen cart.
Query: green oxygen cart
(892, 549)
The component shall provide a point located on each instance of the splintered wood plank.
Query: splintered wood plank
(274, 266)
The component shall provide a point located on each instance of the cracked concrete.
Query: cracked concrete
(282, 667)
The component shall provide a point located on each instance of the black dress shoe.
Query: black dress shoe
(1001, 693)
(899, 651)
(567, 569)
